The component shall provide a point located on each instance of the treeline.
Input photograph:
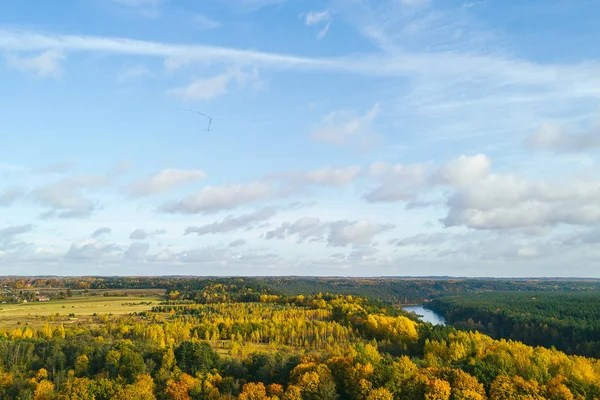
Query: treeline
(569, 321)
(280, 348)
(418, 290)
(397, 291)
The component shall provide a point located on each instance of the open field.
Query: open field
(73, 310)
(97, 292)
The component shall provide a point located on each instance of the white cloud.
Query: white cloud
(216, 198)
(342, 129)
(397, 182)
(137, 251)
(331, 176)
(119, 169)
(335, 233)
(132, 73)
(201, 21)
(163, 256)
(237, 243)
(314, 17)
(304, 228)
(510, 201)
(45, 65)
(9, 233)
(90, 249)
(65, 198)
(588, 236)
(208, 88)
(464, 170)
(326, 176)
(559, 139)
(359, 233)
(423, 239)
(324, 31)
(142, 234)
(10, 195)
(101, 232)
(12, 247)
(362, 253)
(231, 223)
(449, 69)
(319, 18)
(164, 181)
(477, 198)
(206, 255)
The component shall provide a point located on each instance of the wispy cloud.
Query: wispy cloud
(460, 73)
(218, 85)
(414, 3)
(202, 21)
(342, 128)
(251, 5)
(231, 223)
(454, 67)
(45, 65)
(10, 195)
(319, 18)
(334, 233)
(145, 8)
(142, 234)
(101, 232)
(164, 181)
(558, 138)
(137, 3)
(216, 198)
(65, 198)
(326, 176)
(132, 73)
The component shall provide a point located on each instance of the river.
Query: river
(426, 315)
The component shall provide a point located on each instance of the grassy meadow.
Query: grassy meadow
(80, 309)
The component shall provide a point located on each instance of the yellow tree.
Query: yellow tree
(437, 389)
(177, 390)
(275, 389)
(466, 387)
(556, 389)
(293, 392)
(180, 389)
(505, 387)
(81, 365)
(76, 389)
(44, 390)
(253, 391)
(380, 394)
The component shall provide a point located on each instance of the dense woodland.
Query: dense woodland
(240, 339)
(390, 290)
(569, 321)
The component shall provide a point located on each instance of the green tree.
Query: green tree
(193, 357)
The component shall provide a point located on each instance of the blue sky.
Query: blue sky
(389, 137)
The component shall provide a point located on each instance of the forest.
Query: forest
(569, 321)
(239, 338)
(400, 291)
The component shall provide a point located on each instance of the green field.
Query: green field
(81, 309)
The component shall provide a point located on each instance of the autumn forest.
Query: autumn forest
(297, 338)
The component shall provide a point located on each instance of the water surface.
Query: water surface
(426, 315)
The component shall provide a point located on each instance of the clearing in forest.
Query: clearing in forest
(70, 310)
